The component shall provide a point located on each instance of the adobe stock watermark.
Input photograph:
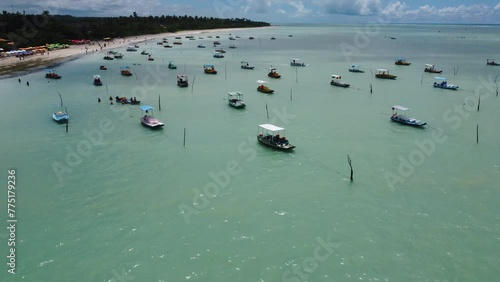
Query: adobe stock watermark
(301, 272)
(121, 277)
(96, 136)
(363, 37)
(222, 179)
(455, 116)
(222, 7)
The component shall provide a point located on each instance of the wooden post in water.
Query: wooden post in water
(225, 70)
(159, 104)
(184, 143)
(477, 134)
(422, 79)
(350, 165)
(290, 94)
(267, 111)
(371, 89)
(192, 85)
(497, 89)
(67, 126)
(106, 87)
(478, 101)
(296, 75)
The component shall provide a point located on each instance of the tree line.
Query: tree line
(38, 29)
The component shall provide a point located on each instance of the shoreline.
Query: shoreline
(13, 66)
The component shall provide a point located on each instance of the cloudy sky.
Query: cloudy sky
(279, 11)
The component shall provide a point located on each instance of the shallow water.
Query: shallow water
(422, 206)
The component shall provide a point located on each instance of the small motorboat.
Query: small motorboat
(231, 38)
(235, 100)
(144, 53)
(401, 62)
(131, 49)
(273, 38)
(263, 88)
(177, 43)
(272, 73)
(251, 37)
(60, 116)
(209, 69)
(210, 36)
(167, 46)
(112, 52)
(125, 71)
(218, 55)
(337, 81)
(403, 117)
(355, 68)
(232, 46)
(384, 73)
(103, 68)
(246, 66)
(178, 37)
(108, 57)
(182, 80)
(148, 120)
(201, 45)
(136, 46)
(491, 62)
(442, 83)
(217, 36)
(172, 66)
(220, 51)
(216, 43)
(150, 58)
(118, 56)
(49, 73)
(270, 135)
(297, 63)
(97, 80)
(125, 100)
(430, 68)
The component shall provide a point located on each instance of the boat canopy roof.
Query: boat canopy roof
(208, 66)
(124, 67)
(335, 76)
(261, 81)
(234, 93)
(355, 66)
(440, 78)
(49, 70)
(181, 76)
(271, 127)
(400, 59)
(295, 59)
(146, 108)
(429, 65)
(381, 70)
(96, 76)
(401, 108)
(272, 68)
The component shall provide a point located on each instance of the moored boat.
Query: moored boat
(272, 73)
(167, 46)
(401, 62)
(131, 49)
(430, 68)
(246, 66)
(402, 115)
(273, 136)
(232, 46)
(108, 57)
(263, 88)
(150, 58)
(491, 62)
(218, 55)
(182, 80)
(172, 66)
(384, 73)
(235, 100)
(97, 80)
(209, 69)
(125, 100)
(177, 43)
(337, 81)
(442, 83)
(60, 116)
(201, 45)
(49, 73)
(103, 68)
(148, 119)
(297, 63)
(125, 71)
(118, 56)
(355, 68)
(144, 52)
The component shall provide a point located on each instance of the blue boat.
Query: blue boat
(60, 116)
(403, 117)
(442, 83)
(148, 120)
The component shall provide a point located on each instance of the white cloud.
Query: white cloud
(350, 7)
(258, 6)
(301, 9)
(427, 13)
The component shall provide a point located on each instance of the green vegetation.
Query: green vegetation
(34, 30)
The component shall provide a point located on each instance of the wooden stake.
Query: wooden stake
(477, 134)
(192, 85)
(371, 89)
(296, 75)
(267, 111)
(159, 104)
(184, 143)
(478, 101)
(67, 126)
(422, 79)
(350, 165)
(225, 70)
(290, 94)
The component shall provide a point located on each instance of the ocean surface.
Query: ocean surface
(111, 200)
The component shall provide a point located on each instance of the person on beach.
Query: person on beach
(19, 80)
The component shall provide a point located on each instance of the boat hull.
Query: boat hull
(59, 118)
(274, 75)
(355, 70)
(433, 71)
(297, 64)
(247, 68)
(237, 105)
(280, 146)
(265, 90)
(410, 122)
(386, 76)
(152, 123)
(449, 87)
(340, 84)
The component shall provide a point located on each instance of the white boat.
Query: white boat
(235, 100)
(337, 81)
(430, 68)
(402, 115)
(182, 80)
(218, 55)
(148, 120)
(355, 68)
(246, 66)
(270, 135)
(297, 63)
(442, 83)
(60, 116)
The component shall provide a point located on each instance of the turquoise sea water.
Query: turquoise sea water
(113, 201)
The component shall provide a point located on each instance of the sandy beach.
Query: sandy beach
(12, 66)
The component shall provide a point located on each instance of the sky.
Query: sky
(279, 11)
